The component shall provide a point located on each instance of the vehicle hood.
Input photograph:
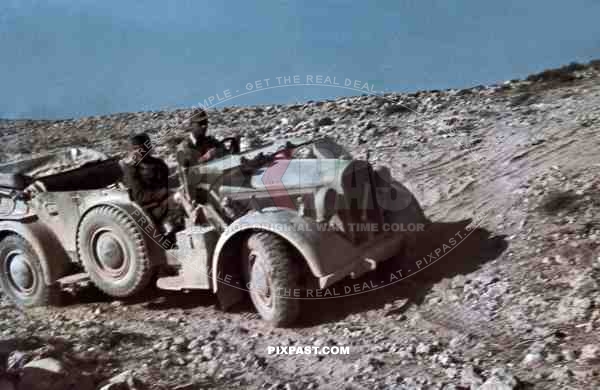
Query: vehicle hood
(302, 173)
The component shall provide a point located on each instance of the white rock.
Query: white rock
(589, 353)
(423, 349)
(179, 340)
(196, 343)
(584, 284)
(121, 380)
(500, 379)
(572, 309)
(208, 351)
(532, 359)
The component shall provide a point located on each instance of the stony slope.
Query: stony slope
(516, 303)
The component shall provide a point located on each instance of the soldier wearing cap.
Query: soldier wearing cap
(146, 177)
(198, 147)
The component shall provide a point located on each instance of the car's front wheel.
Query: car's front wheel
(21, 274)
(270, 273)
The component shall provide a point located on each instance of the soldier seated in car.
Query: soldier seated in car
(146, 178)
(198, 147)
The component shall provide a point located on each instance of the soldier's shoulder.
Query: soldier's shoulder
(182, 145)
(128, 170)
(185, 146)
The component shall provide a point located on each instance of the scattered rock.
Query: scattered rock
(583, 285)
(52, 374)
(179, 340)
(470, 378)
(532, 359)
(488, 152)
(590, 353)
(424, 349)
(123, 381)
(500, 379)
(573, 309)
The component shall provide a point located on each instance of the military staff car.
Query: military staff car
(286, 216)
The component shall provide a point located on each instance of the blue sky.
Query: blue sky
(67, 58)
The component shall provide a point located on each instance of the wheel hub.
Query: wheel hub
(20, 271)
(109, 251)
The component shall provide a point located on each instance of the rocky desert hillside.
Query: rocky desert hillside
(515, 305)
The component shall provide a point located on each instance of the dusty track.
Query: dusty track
(520, 292)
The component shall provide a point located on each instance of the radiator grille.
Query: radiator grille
(361, 215)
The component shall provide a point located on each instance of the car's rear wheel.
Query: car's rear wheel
(21, 273)
(270, 273)
(113, 252)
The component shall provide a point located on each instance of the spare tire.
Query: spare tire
(113, 251)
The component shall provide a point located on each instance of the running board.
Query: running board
(182, 282)
(73, 279)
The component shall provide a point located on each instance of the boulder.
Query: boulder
(51, 374)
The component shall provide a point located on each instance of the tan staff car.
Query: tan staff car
(291, 215)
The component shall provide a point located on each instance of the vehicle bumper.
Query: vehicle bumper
(368, 256)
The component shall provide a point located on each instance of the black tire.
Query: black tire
(411, 218)
(21, 274)
(411, 212)
(113, 252)
(271, 271)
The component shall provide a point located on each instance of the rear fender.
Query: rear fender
(322, 251)
(55, 260)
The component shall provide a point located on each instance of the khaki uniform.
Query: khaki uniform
(148, 182)
(189, 154)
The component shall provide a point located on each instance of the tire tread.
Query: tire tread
(143, 272)
(46, 294)
(284, 275)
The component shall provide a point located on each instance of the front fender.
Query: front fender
(119, 200)
(154, 240)
(54, 259)
(324, 251)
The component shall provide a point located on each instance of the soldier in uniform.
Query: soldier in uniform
(146, 177)
(198, 147)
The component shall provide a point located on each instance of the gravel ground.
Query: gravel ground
(516, 304)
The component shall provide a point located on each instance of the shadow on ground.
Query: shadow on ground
(464, 257)
(152, 298)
